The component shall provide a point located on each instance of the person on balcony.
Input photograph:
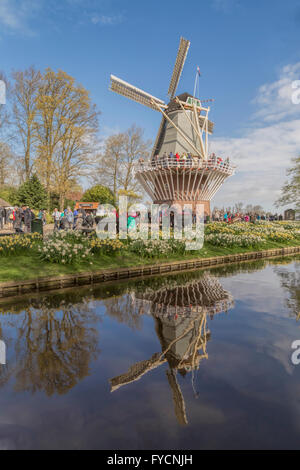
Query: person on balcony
(165, 160)
(141, 162)
(177, 156)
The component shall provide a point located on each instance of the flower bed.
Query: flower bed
(19, 244)
(106, 246)
(65, 248)
(250, 235)
(156, 248)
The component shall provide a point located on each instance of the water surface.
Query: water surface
(201, 360)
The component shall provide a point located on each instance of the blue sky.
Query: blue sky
(248, 53)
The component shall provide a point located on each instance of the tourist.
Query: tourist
(69, 218)
(164, 159)
(75, 215)
(195, 161)
(79, 219)
(17, 220)
(63, 220)
(28, 217)
(1, 217)
(131, 222)
(56, 219)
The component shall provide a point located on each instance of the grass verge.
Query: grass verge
(29, 266)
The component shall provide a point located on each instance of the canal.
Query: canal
(198, 360)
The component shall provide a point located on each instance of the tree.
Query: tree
(109, 163)
(32, 193)
(121, 152)
(290, 192)
(66, 127)
(132, 197)
(9, 194)
(24, 95)
(4, 114)
(99, 193)
(238, 207)
(134, 148)
(6, 164)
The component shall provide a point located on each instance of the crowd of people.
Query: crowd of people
(184, 159)
(228, 216)
(20, 218)
(72, 220)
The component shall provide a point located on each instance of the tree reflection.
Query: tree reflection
(290, 282)
(54, 345)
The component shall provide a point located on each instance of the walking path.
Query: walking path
(8, 229)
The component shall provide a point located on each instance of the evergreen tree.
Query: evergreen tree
(32, 193)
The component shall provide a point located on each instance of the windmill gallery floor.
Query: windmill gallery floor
(192, 361)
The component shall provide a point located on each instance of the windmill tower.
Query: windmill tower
(195, 177)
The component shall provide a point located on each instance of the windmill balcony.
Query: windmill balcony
(163, 163)
(194, 180)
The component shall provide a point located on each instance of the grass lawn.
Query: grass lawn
(29, 266)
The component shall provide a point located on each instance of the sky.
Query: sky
(248, 53)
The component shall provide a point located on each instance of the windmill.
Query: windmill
(195, 177)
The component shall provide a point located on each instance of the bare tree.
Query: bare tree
(24, 94)
(115, 164)
(7, 166)
(109, 166)
(135, 148)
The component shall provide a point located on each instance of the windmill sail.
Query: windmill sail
(136, 94)
(180, 60)
(160, 136)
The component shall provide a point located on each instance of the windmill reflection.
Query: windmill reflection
(180, 313)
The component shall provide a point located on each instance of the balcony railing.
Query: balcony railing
(162, 163)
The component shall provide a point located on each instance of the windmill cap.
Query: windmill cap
(173, 106)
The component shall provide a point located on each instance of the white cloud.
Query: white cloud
(275, 99)
(224, 5)
(263, 152)
(106, 20)
(15, 15)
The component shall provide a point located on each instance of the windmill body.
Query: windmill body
(180, 170)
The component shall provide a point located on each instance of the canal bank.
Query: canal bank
(13, 288)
